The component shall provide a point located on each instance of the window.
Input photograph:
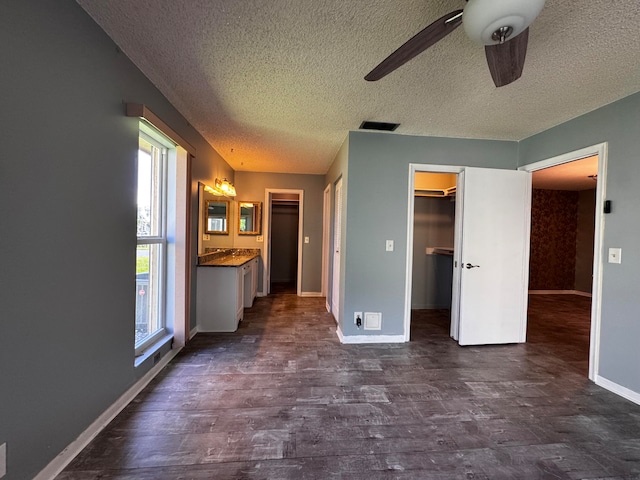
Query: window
(151, 253)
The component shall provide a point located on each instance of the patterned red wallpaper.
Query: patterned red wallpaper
(554, 221)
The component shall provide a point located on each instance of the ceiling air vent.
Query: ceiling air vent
(385, 126)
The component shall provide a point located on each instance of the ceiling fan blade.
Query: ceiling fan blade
(417, 44)
(506, 60)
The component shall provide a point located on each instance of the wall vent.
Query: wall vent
(384, 126)
(372, 320)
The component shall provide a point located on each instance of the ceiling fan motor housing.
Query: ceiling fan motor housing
(482, 18)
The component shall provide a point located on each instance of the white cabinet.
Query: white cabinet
(250, 282)
(218, 292)
(222, 294)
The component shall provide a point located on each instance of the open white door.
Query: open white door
(493, 269)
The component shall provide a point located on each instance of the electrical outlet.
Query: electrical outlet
(206, 237)
(259, 239)
(3, 460)
(357, 315)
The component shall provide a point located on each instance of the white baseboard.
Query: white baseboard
(359, 339)
(559, 292)
(311, 294)
(624, 392)
(74, 448)
(193, 332)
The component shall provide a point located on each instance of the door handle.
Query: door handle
(468, 265)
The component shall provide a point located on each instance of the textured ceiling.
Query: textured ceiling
(276, 85)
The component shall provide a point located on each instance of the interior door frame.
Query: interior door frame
(266, 280)
(601, 150)
(337, 221)
(413, 168)
(326, 242)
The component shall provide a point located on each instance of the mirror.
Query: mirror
(249, 218)
(216, 221)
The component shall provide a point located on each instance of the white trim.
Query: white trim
(181, 260)
(311, 294)
(193, 332)
(266, 260)
(326, 238)
(601, 150)
(624, 392)
(363, 339)
(559, 292)
(413, 168)
(75, 447)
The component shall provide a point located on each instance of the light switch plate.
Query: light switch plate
(389, 246)
(306, 239)
(615, 255)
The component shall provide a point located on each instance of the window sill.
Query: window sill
(153, 353)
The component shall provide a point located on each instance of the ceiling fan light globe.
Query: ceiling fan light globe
(481, 18)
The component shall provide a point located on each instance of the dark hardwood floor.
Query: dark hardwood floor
(283, 399)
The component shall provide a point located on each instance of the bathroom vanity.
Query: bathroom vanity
(227, 284)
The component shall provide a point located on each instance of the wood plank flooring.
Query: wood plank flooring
(283, 399)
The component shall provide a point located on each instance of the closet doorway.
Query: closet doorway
(283, 237)
(433, 241)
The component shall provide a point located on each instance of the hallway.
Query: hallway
(282, 399)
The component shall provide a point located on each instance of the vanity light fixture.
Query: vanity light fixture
(212, 190)
(225, 187)
(222, 188)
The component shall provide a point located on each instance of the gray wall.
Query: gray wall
(584, 240)
(251, 186)
(433, 226)
(619, 125)
(68, 219)
(374, 280)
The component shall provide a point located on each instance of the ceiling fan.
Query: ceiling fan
(502, 26)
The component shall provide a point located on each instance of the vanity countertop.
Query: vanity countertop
(228, 258)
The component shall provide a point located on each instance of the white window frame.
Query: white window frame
(157, 139)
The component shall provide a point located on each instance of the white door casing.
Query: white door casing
(337, 237)
(457, 259)
(326, 244)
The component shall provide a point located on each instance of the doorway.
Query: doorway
(284, 245)
(491, 231)
(283, 241)
(433, 247)
(565, 161)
